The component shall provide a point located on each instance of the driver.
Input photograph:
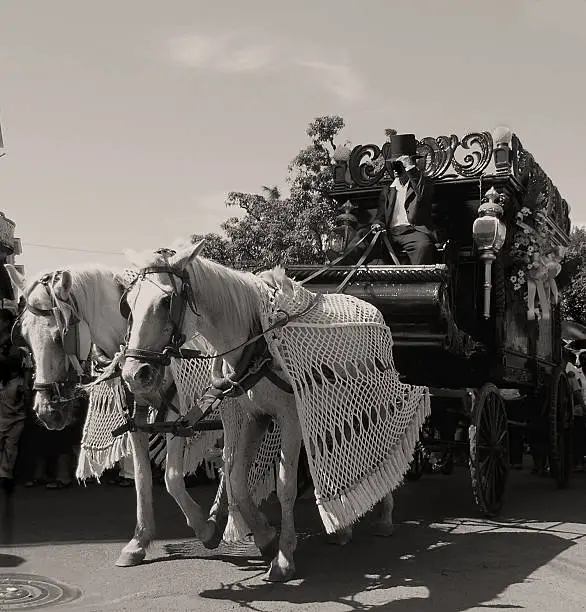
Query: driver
(405, 206)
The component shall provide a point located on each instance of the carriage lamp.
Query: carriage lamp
(501, 137)
(346, 222)
(341, 157)
(489, 233)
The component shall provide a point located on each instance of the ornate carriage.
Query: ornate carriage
(485, 317)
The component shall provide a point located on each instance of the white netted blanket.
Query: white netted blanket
(192, 378)
(360, 424)
(99, 450)
(107, 401)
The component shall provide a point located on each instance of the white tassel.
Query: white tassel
(236, 527)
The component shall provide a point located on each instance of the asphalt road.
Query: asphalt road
(442, 557)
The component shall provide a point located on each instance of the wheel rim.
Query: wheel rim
(489, 451)
(493, 448)
(562, 444)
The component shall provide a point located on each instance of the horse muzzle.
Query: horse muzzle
(140, 377)
(51, 417)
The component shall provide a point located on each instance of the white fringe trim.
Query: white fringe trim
(345, 509)
(96, 455)
(236, 527)
(92, 463)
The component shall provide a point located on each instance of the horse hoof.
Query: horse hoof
(270, 550)
(340, 538)
(383, 530)
(278, 574)
(213, 541)
(129, 559)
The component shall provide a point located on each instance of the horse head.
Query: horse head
(49, 326)
(156, 303)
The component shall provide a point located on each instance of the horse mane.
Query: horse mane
(231, 291)
(223, 289)
(87, 293)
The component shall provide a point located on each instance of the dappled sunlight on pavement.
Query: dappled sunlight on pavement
(443, 556)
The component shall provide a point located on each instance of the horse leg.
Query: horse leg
(283, 564)
(135, 551)
(210, 532)
(175, 484)
(341, 537)
(237, 466)
(213, 530)
(383, 526)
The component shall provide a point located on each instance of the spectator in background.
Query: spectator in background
(11, 399)
(11, 357)
(12, 416)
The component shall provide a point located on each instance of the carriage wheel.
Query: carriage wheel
(561, 412)
(489, 450)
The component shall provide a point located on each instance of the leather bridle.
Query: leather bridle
(68, 333)
(180, 298)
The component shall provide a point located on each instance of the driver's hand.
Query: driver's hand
(406, 162)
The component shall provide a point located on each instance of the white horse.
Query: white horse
(93, 294)
(222, 305)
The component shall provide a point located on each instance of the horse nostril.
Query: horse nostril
(144, 374)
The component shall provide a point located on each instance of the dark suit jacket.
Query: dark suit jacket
(418, 211)
(418, 214)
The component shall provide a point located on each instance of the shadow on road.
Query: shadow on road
(11, 560)
(420, 569)
(436, 555)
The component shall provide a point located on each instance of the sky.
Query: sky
(126, 122)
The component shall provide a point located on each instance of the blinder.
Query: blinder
(16, 336)
(123, 306)
(77, 340)
(175, 307)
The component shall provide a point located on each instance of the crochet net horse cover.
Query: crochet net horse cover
(107, 403)
(106, 411)
(360, 424)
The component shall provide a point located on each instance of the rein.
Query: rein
(185, 297)
(256, 362)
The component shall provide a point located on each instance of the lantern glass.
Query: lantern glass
(489, 233)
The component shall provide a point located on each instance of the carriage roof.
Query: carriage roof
(478, 159)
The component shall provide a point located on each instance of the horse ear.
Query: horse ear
(194, 251)
(285, 282)
(282, 281)
(18, 279)
(62, 285)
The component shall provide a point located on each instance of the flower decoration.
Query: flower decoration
(531, 242)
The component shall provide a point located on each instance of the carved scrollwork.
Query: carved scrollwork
(367, 165)
(475, 162)
(438, 153)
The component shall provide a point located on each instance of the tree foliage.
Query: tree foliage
(282, 230)
(573, 277)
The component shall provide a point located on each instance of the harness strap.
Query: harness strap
(337, 260)
(342, 285)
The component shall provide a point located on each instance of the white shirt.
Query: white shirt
(399, 213)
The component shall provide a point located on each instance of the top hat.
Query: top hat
(403, 144)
